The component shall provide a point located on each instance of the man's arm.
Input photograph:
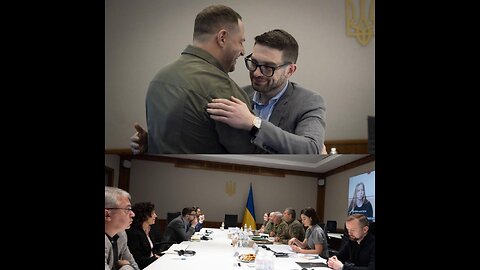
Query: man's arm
(307, 138)
(179, 229)
(235, 140)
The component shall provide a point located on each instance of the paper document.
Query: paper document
(281, 248)
(309, 258)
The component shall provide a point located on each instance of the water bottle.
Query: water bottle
(260, 261)
(223, 226)
(269, 261)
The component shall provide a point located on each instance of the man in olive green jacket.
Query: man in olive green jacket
(177, 97)
(295, 228)
(280, 228)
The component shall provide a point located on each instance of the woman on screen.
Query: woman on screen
(359, 203)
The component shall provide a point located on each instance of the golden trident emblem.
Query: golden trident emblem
(230, 188)
(360, 26)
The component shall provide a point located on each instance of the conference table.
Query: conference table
(219, 254)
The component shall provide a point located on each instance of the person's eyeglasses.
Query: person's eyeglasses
(127, 209)
(266, 70)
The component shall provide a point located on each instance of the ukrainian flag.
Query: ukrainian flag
(249, 216)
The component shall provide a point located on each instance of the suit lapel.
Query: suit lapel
(280, 110)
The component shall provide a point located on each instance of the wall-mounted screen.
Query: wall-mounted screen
(361, 195)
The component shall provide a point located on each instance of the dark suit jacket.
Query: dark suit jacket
(358, 256)
(296, 125)
(176, 231)
(139, 246)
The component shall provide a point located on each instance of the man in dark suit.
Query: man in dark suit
(288, 119)
(359, 251)
(182, 227)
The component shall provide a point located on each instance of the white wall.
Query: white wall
(143, 36)
(171, 189)
(113, 161)
(336, 193)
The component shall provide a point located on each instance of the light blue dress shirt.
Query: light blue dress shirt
(265, 110)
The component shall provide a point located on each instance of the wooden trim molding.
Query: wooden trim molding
(343, 147)
(348, 146)
(351, 165)
(214, 166)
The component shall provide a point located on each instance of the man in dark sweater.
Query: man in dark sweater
(359, 252)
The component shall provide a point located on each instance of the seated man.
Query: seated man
(118, 216)
(359, 251)
(280, 227)
(182, 227)
(295, 228)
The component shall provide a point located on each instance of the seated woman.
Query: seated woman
(139, 241)
(315, 241)
(265, 221)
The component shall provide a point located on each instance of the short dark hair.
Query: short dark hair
(213, 18)
(143, 211)
(292, 212)
(188, 210)
(281, 40)
(311, 213)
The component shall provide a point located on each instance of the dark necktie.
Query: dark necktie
(115, 254)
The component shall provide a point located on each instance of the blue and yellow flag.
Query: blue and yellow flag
(249, 216)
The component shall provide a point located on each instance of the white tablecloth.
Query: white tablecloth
(218, 254)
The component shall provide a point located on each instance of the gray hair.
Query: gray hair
(112, 195)
(291, 211)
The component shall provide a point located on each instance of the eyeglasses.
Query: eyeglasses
(266, 70)
(127, 209)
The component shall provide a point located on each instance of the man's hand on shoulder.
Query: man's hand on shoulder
(234, 113)
(139, 140)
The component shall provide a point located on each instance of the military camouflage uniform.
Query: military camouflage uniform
(295, 229)
(281, 230)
